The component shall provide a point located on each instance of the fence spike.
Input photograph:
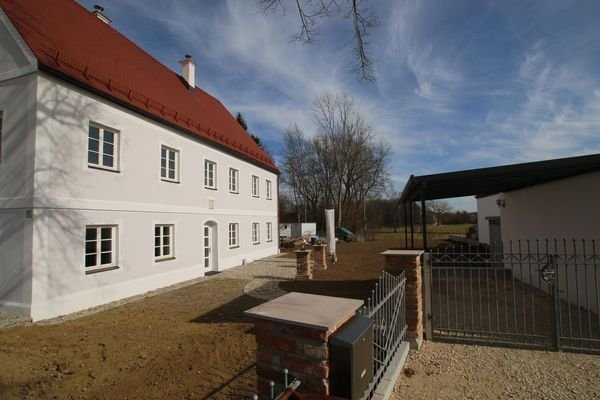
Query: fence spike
(272, 384)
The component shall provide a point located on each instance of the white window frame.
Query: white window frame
(102, 130)
(170, 242)
(269, 190)
(255, 233)
(168, 150)
(98, 252)
(234, 178)
(255, 186)
(207, 170)
(269, 231)
(234, 229)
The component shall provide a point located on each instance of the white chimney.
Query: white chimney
(189, 71)
(98, 12)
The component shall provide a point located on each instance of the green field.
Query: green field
(433, 232)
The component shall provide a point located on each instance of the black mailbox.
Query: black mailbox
(351, 358)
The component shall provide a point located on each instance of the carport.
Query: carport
(483, 182)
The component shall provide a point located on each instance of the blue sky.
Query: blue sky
(460, 84)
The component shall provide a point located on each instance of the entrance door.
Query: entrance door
(208, 247)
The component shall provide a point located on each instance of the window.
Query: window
(233, 180)
(269, 231)
(268, 190)
(100, 247)
(210, 174)
(163, 241)
(169, 164)
(255, 186)
(255, 233)
(103, 148)
(233, 235)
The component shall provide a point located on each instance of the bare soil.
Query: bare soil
(195, 343)
(189, 343)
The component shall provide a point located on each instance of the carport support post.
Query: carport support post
(424, 221)
(409, 262)
(412, 226)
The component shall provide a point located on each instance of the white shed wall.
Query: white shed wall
(567, 208)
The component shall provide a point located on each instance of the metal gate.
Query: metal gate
(387, 308)
(542, 294)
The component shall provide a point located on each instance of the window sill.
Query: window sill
(256, 197)
(169, 180)
(101, 269)
(255, 244)
(210, 188)
(233, 247)
(107, 169)
(269, 198)
(269, 241)
(163, 259)
(230, 192)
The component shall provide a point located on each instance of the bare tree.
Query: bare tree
(311, 11)
(342, 166)
(438, 208)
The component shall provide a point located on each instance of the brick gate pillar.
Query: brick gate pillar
(409, 262)
(320, 252)
(303, 265)
(293, 332)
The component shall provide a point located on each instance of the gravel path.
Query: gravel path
(453, 371)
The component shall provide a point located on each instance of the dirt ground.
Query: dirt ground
(189, 343)
(195, 343)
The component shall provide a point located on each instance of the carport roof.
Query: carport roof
(487, 181)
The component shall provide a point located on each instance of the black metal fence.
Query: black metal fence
(386, 307)
(533, 293)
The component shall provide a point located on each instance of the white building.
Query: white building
(117, 176)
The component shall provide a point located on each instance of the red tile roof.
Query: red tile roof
(69, 41)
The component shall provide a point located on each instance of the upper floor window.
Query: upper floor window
(100, 247)
(210, 174)
(169, 164)
(103, 145)
(233, 235)
(164, 238)
(255, 233)
(255, 188)
(269, 190)
(233, 180)
(269, 231)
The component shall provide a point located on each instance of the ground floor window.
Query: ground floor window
(163, 241)
(100, 247)
(233, 235)
(255, 233)
(269, 232)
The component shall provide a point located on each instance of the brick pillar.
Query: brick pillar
(292, 331)
(303, 351)
(320, 256)
(409, 262)
(303, 265)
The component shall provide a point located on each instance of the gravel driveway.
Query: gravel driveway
(455, 371)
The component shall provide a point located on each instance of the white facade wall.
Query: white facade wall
(17, 103)
(562, 209)
(566, 208)
(68, 195)
(486, 207)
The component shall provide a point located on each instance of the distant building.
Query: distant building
(117, 175)
(297, 229)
